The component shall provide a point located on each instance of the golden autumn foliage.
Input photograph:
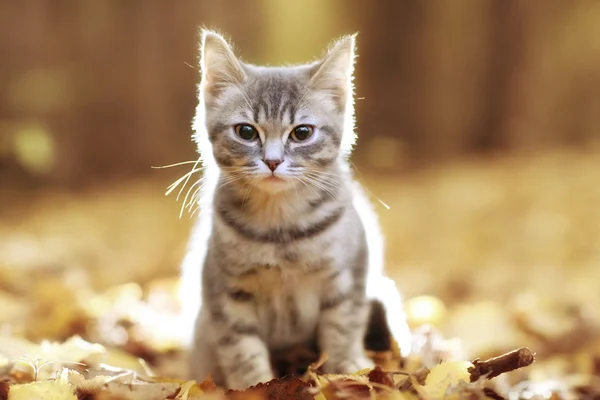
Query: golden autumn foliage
(88, 287)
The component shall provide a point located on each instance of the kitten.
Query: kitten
(287, 247)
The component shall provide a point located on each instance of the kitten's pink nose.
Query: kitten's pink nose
(273, 164)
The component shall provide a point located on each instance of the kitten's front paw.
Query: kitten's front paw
(351, 366)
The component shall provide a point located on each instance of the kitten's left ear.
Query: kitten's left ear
(220, 67)
(334, 73)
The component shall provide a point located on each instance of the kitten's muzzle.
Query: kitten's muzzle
(273, 164)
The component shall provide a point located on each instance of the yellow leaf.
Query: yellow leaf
(451, 371)
(396, 395)
(43, 390)
(320, 396)
(444, 375)
(186, 388)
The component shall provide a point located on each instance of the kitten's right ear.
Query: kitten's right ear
(334, 74)
(219, 66)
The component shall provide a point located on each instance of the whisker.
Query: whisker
(183, 206)
(332, 178)
(187, 179)
(367, 189)
(302, 180)
(226, 182)
(196, 196)
(247, 192)
(295, 188)
(195, 210)
(174, 185)
(327, 186)
(194, 200)
(174, 165)
(321, 172)
(316, 183)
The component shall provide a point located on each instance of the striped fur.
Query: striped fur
(283, 261)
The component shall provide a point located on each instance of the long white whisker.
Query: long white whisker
(367, 189)
(183, 206)
(174, 165)
(187, 179)
(332, 178)
(329, 190)
(329, 180)
(226, 182)
(247, 191)
(174, 185)
(303, 181)
(296, 188)
(316, 183)
(324, 173)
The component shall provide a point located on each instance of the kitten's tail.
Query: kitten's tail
(387, 310)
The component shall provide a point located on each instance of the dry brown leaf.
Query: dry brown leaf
(286, 388)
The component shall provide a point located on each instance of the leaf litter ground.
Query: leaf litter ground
(499, 261)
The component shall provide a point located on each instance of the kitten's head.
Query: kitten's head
(274, 126)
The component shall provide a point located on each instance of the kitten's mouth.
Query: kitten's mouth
(273, 178)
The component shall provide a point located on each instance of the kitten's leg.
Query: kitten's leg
(203, 359)
(342, 326)
(242, 354)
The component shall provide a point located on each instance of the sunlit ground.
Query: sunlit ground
(507, 251)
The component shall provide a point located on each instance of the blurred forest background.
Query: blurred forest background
(99, 90)
(478, 124)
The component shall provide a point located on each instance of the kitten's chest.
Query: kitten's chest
(287, 305)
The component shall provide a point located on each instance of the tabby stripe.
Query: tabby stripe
(244, 329)
(343, 328)
(280, 235)
(246, 270)
(237, 149)
(323, 161)
(335, 301)
(291, 256)
(245, 366)
(235, 333)
(228, 339)
(216, 129)
(309, 150)
(240, 296)
(330, 131)
(292, 311)
(225, 160)
(325, 196)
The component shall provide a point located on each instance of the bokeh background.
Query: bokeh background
(479, 132)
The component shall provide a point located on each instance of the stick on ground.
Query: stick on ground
(498, 365)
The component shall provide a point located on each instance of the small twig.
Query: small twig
(498, 365)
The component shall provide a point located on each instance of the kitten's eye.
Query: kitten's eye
(246, 132)
(301, 133)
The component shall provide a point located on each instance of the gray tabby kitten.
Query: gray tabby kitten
(287, 246)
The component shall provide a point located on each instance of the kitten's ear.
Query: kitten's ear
(334, 73)
(218, 63)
